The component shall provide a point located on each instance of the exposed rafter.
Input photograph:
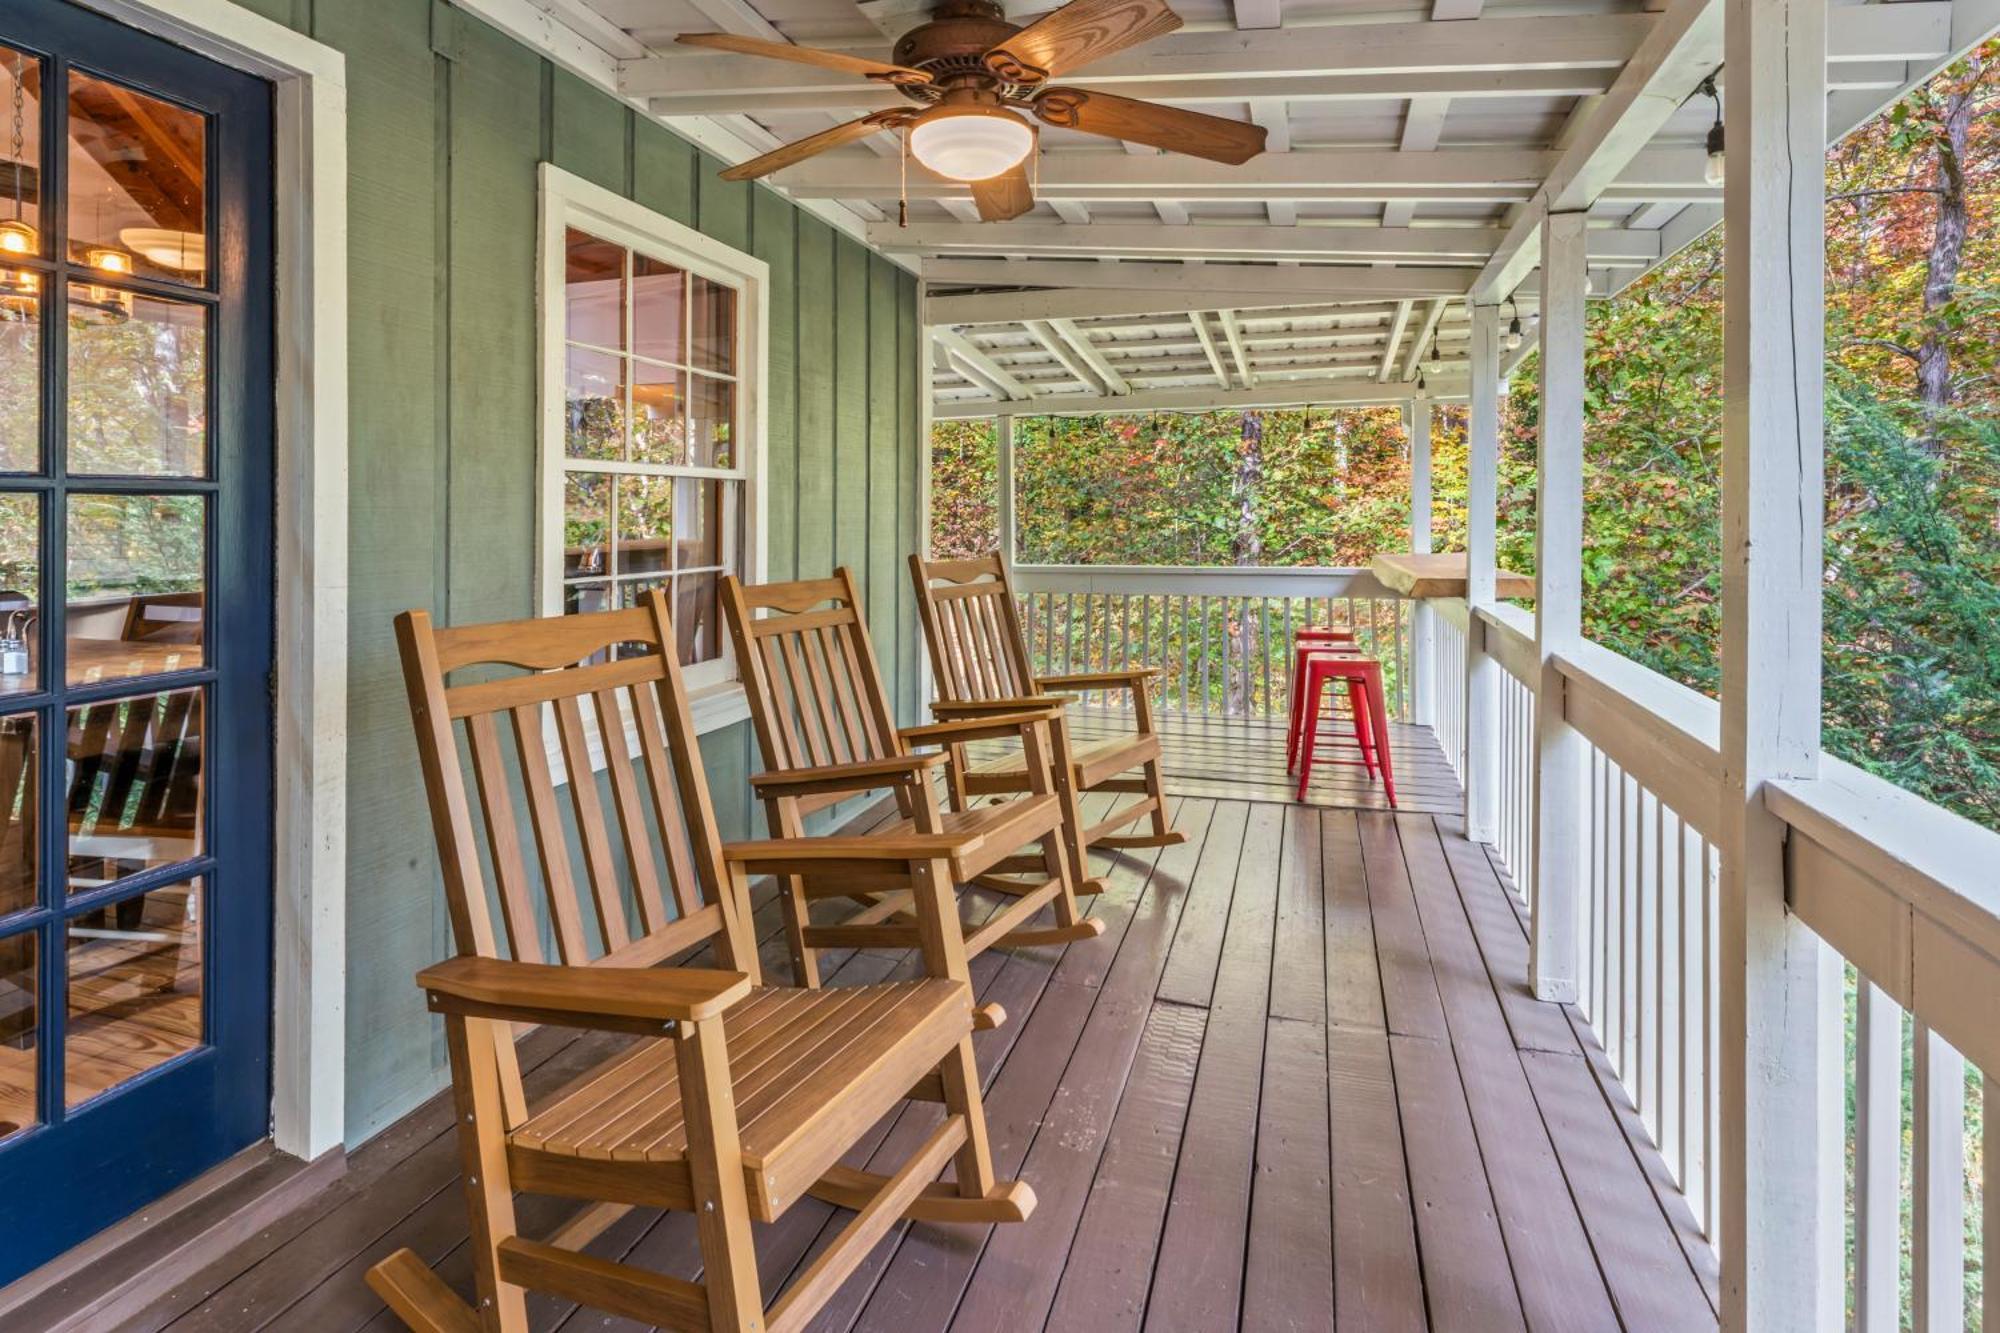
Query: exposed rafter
(1425, 332)
(1233, 332)
(1429, 245)
(1207, 340)
(981, 366)
(1393, 341)
(1226, 280)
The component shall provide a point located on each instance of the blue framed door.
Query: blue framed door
(135, 621)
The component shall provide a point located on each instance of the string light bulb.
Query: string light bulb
(1513, 326)
(1716, 169)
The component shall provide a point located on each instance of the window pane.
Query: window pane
(714, 333)
(17, 813)
(658, 433)
(137, 182)
(712, 422)
(20, 592)
(135, 585)
(20, 373)
(659, 295)
(593, 291)
(138, 384)
(594, 405)
(645, 525)
(583, 598)
(700, 530)
(134, 988)
(17, 1034)
(21, 172)
(586, 523)
(697, 618)
(135, 784)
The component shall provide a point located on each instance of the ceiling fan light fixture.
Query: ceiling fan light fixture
(972, 142)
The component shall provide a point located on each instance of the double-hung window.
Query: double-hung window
(653, 353)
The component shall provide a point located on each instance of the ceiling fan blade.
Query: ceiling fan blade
(805, 55)
(800, 149)
(1192, 132)
(1005, 196)
(1076, 34)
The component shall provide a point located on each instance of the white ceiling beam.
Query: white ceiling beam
(1203, 398)
(1675, 57)
(1547, 42)
(1234, 334)
(1423, 124)
(1457, 173)
(1393, 341)
(1207, 340)
(1424, 334)
(1088, 350)
(1152, 171)
(973, 359)
(954, 309)
(859, 96)
(1066, 356)
(1225, 281)
(1269, 114)
(1608, 245)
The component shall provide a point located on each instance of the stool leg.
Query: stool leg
(1357, 706)
(1309, 727)
(1292, 711)
(1380, 711)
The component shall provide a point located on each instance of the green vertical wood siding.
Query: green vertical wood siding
(448, 120)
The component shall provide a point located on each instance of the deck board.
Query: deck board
(1299, 1082)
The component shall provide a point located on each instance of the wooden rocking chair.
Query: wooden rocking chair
(737, 1100)
(979, 658)
(827, 734)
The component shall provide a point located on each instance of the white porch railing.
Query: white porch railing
(1906, 893)
(1221, 637)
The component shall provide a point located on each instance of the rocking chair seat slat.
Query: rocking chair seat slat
(1093, 763)
(805, 1067)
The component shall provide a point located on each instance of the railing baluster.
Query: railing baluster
(1878, 1149)
(1937, 1189)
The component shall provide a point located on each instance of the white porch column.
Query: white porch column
(1423, 633)
(1003, 454)
(1780, 1002)
(1482, 672)
(1560, 751)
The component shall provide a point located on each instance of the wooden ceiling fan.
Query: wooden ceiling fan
(968, 70)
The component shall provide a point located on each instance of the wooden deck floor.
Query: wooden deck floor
(1297, 1083)
(1244, 759)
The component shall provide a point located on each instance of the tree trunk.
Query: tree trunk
(1246, 548)
(1946, 255)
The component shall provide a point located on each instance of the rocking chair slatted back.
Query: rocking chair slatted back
(812, 675)
(973, 627)
(628, 886)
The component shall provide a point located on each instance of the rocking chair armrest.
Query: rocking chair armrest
(862, 775)
(613, 999)
(1004, 726)
(1130, 679)
(775, 855)
(951, 710)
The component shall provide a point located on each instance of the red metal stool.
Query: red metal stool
(1309, 637)
(1364, 685)
(1302, 650)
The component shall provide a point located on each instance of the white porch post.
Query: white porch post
(1423, 636)
(1560, 752)
(1780, 1002)
(1482, 672)
(1003, 455)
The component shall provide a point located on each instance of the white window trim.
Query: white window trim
(568, 200)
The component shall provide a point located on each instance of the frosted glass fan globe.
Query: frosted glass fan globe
(972, 143)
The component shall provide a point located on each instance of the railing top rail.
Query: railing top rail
(1203, 580)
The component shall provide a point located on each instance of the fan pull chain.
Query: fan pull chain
(903, 203)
